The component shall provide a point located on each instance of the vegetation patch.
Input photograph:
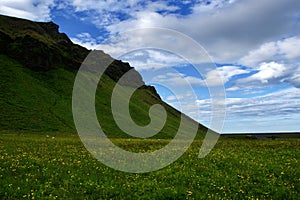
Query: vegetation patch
(56, 166)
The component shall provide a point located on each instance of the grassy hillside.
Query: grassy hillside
(35, 101)
(38, 97)
(41, 101)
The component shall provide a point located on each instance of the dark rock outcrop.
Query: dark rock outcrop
(41, 47)
(50, 27)
(32, 53)
(5, 40)
(118, 68)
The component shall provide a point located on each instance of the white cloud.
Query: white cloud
(149, 59)
(185, 102)
(173, 98)
(287, 49)
(178, 80)
(290, 47)
(267, 73)
(37, 10)
(227, 33)
(227, 29)
(235, 88)
(202, 6)
(179, 97)
(263, 53)
(108, 12)
(100, 5)
(160, 6)
(86, 40)
(270, 73)
(295, 80)
(225, 72)
(214, 77)
(294, 77)
(279, 103)
(250, 113)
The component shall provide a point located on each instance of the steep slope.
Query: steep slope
(38, 66)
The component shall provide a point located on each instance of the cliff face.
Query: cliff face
(41, 47)
(38, 66)
(38, 46)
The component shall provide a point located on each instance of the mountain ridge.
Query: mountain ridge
(40, 46)
(39, 65)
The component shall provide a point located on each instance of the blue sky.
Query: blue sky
(255, 45)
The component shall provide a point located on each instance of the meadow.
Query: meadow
(57, 166)
(45, 159)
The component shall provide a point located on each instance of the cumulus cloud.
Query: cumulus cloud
(264, 53)
(270, 74)
(149, 59)
(227, 29)
(37, 10)
(290, 47)
(227, 33)
(224, 72)
(286, 49)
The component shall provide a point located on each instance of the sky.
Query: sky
(253, 46)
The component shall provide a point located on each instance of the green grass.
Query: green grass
(42, 101)
(41, 155)
(35, 101)
(34, 165)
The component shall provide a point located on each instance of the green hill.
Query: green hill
(38, 66)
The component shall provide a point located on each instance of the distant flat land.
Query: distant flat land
(264, 136)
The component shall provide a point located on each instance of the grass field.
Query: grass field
(43, 158)
(56, 166)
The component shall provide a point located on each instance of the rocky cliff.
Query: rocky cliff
(38, 66)
(41, 47)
